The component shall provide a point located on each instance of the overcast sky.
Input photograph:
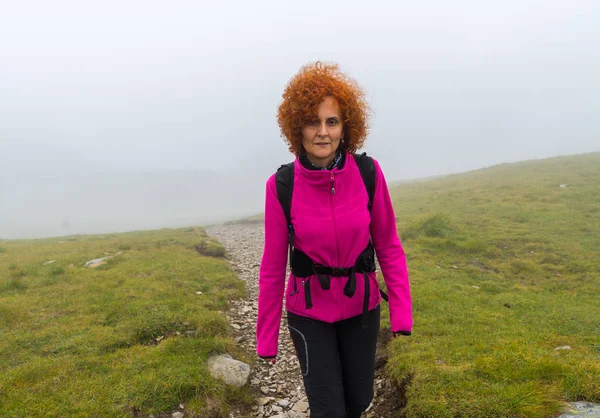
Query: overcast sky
(138, 86)
(154, 85)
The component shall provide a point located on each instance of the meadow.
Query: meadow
(505, 277)
(127, 338)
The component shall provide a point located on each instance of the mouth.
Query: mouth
(322, 143)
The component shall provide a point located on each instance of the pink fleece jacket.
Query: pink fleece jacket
(332, 229)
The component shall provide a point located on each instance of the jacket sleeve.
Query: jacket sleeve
(390, 255)
(271, 280)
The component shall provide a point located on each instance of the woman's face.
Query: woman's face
(321, 137)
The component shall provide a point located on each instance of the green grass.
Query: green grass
(125, 338)
(504, 269)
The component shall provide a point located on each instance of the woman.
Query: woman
(335, 223)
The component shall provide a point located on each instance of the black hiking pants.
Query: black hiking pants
(337, 362)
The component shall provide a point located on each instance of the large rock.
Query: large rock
(233, 372)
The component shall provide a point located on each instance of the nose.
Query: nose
(322, 130)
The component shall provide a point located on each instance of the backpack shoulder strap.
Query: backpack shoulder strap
(367, 171)
(284, 180)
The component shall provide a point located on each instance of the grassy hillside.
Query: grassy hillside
(128, 337)
(505, 271)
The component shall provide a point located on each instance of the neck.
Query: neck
(321, 163)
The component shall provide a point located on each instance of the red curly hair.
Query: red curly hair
(305, 92)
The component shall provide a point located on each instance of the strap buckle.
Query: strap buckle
(339, 271)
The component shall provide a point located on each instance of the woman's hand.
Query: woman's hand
(271, 360)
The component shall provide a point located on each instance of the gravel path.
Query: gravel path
(279, 387)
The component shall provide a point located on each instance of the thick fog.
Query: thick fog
(122, 115)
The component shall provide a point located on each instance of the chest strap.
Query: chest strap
(303, 266)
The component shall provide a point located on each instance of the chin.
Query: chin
(325, 153)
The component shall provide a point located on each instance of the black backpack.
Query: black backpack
(284, 180)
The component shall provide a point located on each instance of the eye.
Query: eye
(314, 122)
(332, 121)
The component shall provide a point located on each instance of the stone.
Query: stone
(96, 262)
(226, 368)
(563, 347)
(582, 409)
(301, 406)
(284, 403)
(264, 400)
(177, 415)
(264, 389)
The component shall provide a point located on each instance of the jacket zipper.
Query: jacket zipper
(335, 232)
(332, 183)
(337, 241)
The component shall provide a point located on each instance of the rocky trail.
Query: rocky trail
(279, 387)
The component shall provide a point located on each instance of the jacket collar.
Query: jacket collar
(322, 178)
(338, 161)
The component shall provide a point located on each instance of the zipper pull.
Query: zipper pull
(332, 181)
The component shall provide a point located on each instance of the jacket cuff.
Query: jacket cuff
(267, 357)
(402, 333)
